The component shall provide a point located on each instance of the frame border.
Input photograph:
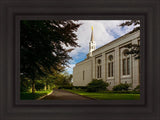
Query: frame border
(12, 109)
(81, 103)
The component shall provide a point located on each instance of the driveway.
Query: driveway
(64, 95)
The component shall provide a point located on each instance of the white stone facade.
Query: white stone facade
(110, 63)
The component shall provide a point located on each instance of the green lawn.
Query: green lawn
(107, 96)
(30, 96)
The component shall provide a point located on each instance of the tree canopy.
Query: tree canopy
(131, 22)
(42, 46)
(134, 48)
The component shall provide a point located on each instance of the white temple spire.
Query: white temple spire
(92, 44)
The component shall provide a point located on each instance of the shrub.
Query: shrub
(65, 87)
(72, 87)
(80, 87)
(137, 88)
(97, 86)
(121, 87)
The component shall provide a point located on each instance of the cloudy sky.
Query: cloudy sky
(104, 32)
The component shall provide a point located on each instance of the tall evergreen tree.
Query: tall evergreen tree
(42, 46)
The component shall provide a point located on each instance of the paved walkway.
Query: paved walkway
(64, 95)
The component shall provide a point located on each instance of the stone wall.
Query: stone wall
(82, 73)
(116, 50)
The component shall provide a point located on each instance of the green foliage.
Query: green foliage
(131, 22)
(134, 49)
(80, 87)
(121, 87)
(31, 96)
(63, 80)
(49, 81)
(66, 87)
(137, 88)
(97, 86)
(73, 87)
(42, 46)
(39, 85)
(25, 84)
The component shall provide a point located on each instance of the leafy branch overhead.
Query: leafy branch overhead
(134, 49)
(43, 46)
(132, 22)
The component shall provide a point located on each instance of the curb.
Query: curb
(44, 96)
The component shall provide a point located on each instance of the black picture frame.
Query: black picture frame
(12, 108)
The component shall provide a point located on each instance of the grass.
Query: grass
(30, 96)
(107, 96)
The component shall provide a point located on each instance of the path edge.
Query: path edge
(44, 96)
(80, 95)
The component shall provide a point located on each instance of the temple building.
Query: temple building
(109, 62)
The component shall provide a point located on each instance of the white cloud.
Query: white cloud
(104, 31)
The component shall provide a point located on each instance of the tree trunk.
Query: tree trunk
(33, 86)
(45, 87)
(48, 87)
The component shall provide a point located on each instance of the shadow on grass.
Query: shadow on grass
(31, 96)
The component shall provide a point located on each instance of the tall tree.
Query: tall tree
(42, 46)
(62, 79)
(134, 48)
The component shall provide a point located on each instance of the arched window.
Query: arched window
(99, 68)
(126, 63)
(110, 66)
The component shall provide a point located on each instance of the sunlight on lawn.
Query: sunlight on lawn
(108, 96)
(30, 96)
